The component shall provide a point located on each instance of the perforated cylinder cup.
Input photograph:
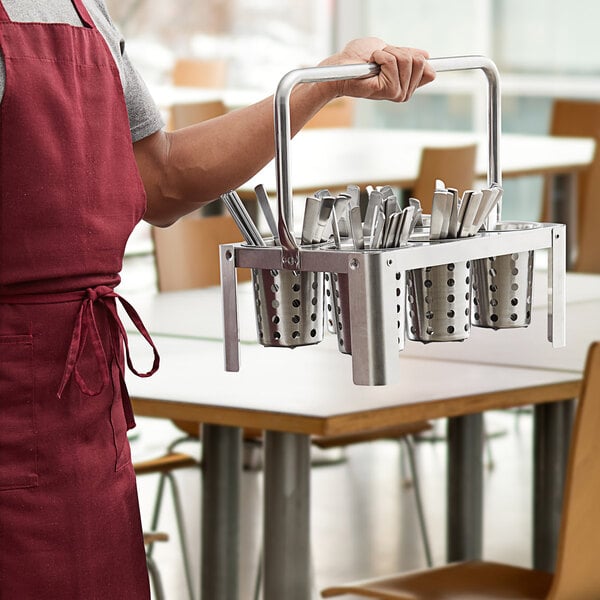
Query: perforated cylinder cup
(502, 290)
(439, 303)
(289, 307)
(337, 304)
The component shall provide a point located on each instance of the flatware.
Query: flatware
(311, 216)
(327, 203)
(242, 219)
(263, 202)
(356, 228)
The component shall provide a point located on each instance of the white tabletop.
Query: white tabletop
(338, 157)
(198, 314)
(314, 384)
(308, 391)
(166, 96)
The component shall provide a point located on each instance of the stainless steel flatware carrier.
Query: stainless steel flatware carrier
(427, 289)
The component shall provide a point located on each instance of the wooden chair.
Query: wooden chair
(577, 575)
(196, 72)
(187, 253)
(580, 118)
(184, 115)
(455, 166)
(337, 113)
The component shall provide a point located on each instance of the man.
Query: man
(83, 158)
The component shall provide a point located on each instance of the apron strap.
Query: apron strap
(3, 14)
(84, 15)
(85, 331)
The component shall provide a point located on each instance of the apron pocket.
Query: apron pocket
(18, 440)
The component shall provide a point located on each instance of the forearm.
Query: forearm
(197, 164)
(184, 169)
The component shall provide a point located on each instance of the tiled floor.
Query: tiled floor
(363, 513)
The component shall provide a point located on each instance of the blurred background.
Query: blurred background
(544, 49)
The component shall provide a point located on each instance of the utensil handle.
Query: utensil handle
(291, 253)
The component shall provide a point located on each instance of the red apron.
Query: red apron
(70, 195)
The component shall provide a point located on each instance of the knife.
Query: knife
(263, 201)
(356, 228)
(327, 203)
(311, 215)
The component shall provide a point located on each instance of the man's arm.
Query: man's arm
(184, 169)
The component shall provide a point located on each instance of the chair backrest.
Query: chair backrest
(455, 166)
(200, 72)
(581, 118)
(184, 115)
(337, 113)
(187, 253)
(577, 573)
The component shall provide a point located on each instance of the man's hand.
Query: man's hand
(403, 70)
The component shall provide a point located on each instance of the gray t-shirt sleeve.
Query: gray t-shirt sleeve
(144, 116)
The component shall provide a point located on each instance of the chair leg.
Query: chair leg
(409, 445)
(159, 592)
(182, 536)
(258, 579)
(156, 511)
(180, 525)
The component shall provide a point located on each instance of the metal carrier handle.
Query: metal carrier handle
(291, 252)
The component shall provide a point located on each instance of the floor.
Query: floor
(363, 513)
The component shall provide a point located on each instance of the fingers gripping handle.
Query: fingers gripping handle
(291, 254)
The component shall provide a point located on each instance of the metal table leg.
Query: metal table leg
(552, 435)
(222, 464)
(464, 538)
(287, 517)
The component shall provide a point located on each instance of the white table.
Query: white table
(339, 156)
(166, 96)
(334, 158)
(292, 396)
(322, 400)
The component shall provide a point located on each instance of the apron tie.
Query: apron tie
(85, 331)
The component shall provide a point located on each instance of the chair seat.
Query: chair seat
(391, 432)
(458, 581)
(150, 537)
(163, 464)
